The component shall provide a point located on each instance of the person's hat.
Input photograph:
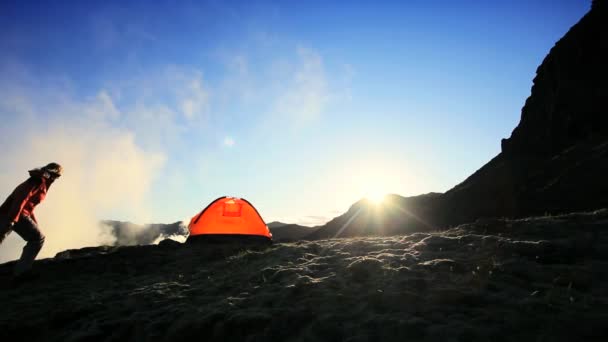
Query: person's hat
(51, 169)
(54, 169)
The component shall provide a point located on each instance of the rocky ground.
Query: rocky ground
(538, 279)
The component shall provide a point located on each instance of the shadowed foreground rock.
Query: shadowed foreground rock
(539, 279)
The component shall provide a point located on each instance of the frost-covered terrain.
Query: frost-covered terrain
(538, 279)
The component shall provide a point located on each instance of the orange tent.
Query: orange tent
(229, 216)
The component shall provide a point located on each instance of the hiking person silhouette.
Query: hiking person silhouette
(17, 214)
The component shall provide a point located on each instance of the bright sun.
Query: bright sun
(374, 184)
(375, 196)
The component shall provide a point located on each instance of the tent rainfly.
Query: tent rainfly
(229, 218)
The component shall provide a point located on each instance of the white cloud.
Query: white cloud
(307, 93)
(238, 82)
(239, 64)
(102, 108)
(193, 99)
(162, 105)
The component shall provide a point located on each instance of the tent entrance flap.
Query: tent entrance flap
(232, 209)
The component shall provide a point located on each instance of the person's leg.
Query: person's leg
(28, 230)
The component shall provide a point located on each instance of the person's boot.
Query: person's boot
(23, 268)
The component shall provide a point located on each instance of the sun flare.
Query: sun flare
(376, 196)
(376, 182)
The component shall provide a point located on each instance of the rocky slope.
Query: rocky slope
(396, 215)
(538, 279)
(283, 232)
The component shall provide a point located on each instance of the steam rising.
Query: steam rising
(128, 234)
(105, 170)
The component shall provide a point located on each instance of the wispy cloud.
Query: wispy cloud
(238, 82)
(307, 93)
(191, 95)
(161, 105)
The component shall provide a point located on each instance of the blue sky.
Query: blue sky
(157, 108)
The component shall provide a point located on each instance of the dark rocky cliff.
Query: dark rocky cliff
(568, 104)
(555, 161)
(557, 157)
